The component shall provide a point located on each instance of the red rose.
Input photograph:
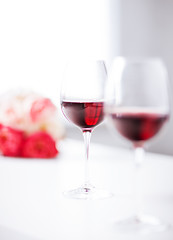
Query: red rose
(40, 107)
(11, 141)
(39, 145)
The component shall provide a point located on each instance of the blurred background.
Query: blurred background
(37, 37)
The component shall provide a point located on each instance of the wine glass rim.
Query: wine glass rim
(138, 59)
(84, 60)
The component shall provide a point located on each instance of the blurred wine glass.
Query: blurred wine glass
(137, 106)
(82, 103)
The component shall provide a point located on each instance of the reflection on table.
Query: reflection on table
(32, 203)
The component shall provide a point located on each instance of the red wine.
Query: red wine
(138, 126)
(85, 115)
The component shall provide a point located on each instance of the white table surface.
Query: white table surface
(32, 205)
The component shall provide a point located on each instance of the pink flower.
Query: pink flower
(30, 125)
(41, 108)
(39, 145)
(11, 141)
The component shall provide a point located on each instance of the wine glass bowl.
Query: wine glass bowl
(82, 103)
(137, 97)
(137, 106)
(138, 125)
(85, 115)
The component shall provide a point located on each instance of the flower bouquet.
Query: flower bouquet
(29, 126)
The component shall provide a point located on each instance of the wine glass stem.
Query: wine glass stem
(87, 137)
(139, 157)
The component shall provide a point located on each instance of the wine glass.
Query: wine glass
(82, 103)
(137, 106)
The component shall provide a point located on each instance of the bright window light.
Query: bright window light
(38, 36)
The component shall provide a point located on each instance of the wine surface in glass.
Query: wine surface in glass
(138, 126)
(85, 115)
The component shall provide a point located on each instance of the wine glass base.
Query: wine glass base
(87, 192)
(141, 224)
